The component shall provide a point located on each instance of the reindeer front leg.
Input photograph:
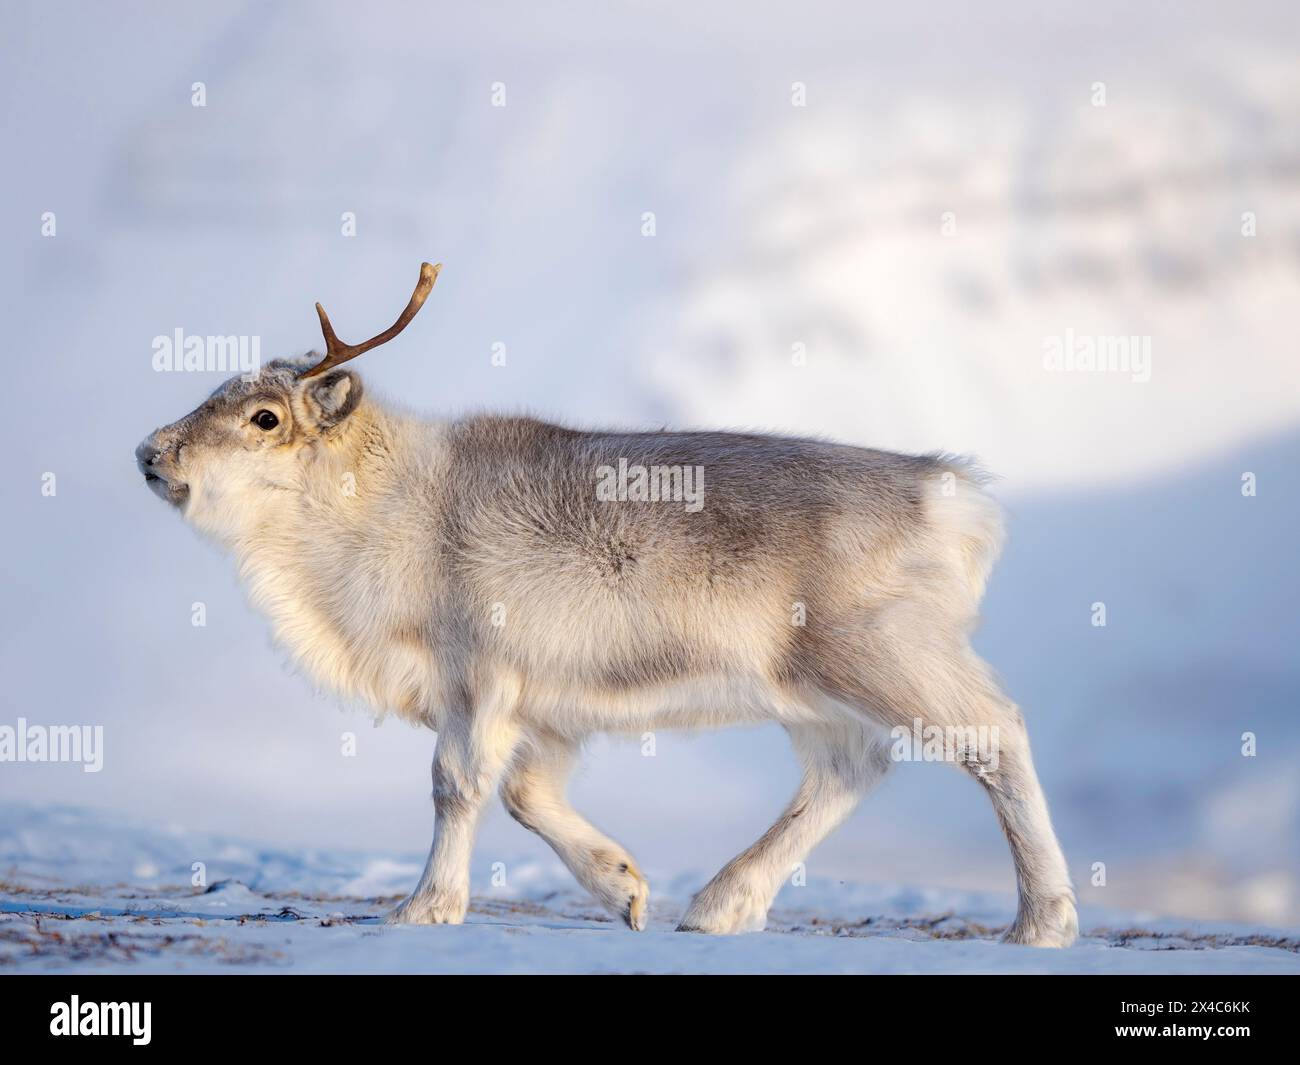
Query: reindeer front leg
(473, 749)
(533, 793)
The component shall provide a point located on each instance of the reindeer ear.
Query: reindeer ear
(331, 397)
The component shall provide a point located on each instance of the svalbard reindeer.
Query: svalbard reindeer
(506, 583)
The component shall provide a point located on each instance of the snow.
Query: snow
(81, 891)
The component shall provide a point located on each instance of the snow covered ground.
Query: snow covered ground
(82, 892)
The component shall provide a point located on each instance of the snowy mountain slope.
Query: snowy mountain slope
(893, 269)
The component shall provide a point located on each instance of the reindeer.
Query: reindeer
(468, 576)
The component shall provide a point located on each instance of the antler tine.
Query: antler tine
(337, 352)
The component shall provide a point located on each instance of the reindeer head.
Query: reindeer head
(254, 438)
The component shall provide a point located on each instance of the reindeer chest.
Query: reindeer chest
(354, 635)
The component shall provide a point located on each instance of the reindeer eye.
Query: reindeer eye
(265, 420)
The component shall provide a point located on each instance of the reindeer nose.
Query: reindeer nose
(145, 455)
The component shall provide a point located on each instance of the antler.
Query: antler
(337, 352)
